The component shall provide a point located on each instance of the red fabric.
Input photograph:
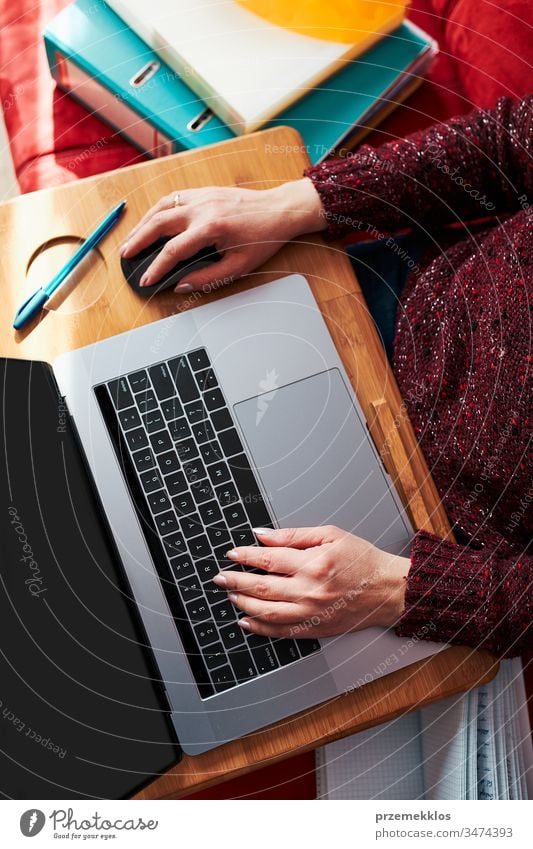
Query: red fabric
(462, 358)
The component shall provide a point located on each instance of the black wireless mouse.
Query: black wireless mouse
(134, 267)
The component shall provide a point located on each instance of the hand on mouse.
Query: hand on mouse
(246, 226)
(319, 582)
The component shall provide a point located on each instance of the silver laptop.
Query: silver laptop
(196, 429)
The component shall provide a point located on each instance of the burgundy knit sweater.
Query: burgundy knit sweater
(463, 357)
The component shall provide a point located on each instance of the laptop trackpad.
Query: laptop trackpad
(316, 461)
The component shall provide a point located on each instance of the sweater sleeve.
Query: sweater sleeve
(471, 597)
(469, 168)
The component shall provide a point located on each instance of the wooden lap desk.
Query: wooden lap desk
(38, 226)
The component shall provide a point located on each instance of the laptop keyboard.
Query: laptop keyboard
(196, 496)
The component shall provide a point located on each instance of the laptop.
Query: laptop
(194, 430)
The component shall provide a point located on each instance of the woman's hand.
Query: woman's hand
(319, 582)
(245, 225)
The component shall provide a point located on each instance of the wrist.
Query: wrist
(394, 570)
(300, 204)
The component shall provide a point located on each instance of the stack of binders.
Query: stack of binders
(101, 62)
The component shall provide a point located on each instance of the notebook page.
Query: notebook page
(487, 787)
(471, 745)
(383, 762)
(445, 748)
(497, 689)
(523, 729)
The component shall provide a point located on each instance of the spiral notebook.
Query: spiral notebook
(473, 746)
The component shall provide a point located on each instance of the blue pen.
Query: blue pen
(36, 302)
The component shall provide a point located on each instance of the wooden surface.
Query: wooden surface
(42, 229)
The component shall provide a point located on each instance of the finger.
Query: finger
(166, 202)
(269, 587)
(220, 273)
(167, 222)
(256, 626)
(298, 537)
(285, 561)
(269, 612)
(176, 250)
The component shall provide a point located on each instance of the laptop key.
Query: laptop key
(138, 381)
(166, 522)
(243, 536)
(190, 589)
(182, 567)
(211, 452)
(151, 480)
(206, 569)
(176, 483)
(221, 419)
(196, 411)
(153, 421)
(187, 450)
(242, 665)
(210, 512)
(307, 647)
(206, 379)
(146, 402)
(251, 494)
(185, 383)
(264, 658)
(230, 442)
(183, 503)
(235, 515)
(200, 547)
(171, 408)
(218, 535)
(160, 441)
(159, 502)
(214, 399)
(213, 593)
(161, 381)
(214, 655)
(231, 636)
(179, 429)
(120, 393)
(219, 473)
(136, 439)
(174, 544)
(129, 418)
(206, 633)
(191, 525)
(194, 471)
(203, 432)
(227, 494)
(198, 610)
(286, 651)
(143, 460)
(198, 359)
(202, 491)
(222, 679)
(168, 462)
(223, 612)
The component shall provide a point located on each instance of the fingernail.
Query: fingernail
(232, 554)
(183, 288)
(245, 624)
(144, 281)
(123, 248)
(263, 532)
(233, 597)
(220, 580)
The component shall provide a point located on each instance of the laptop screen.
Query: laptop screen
(80, 702)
